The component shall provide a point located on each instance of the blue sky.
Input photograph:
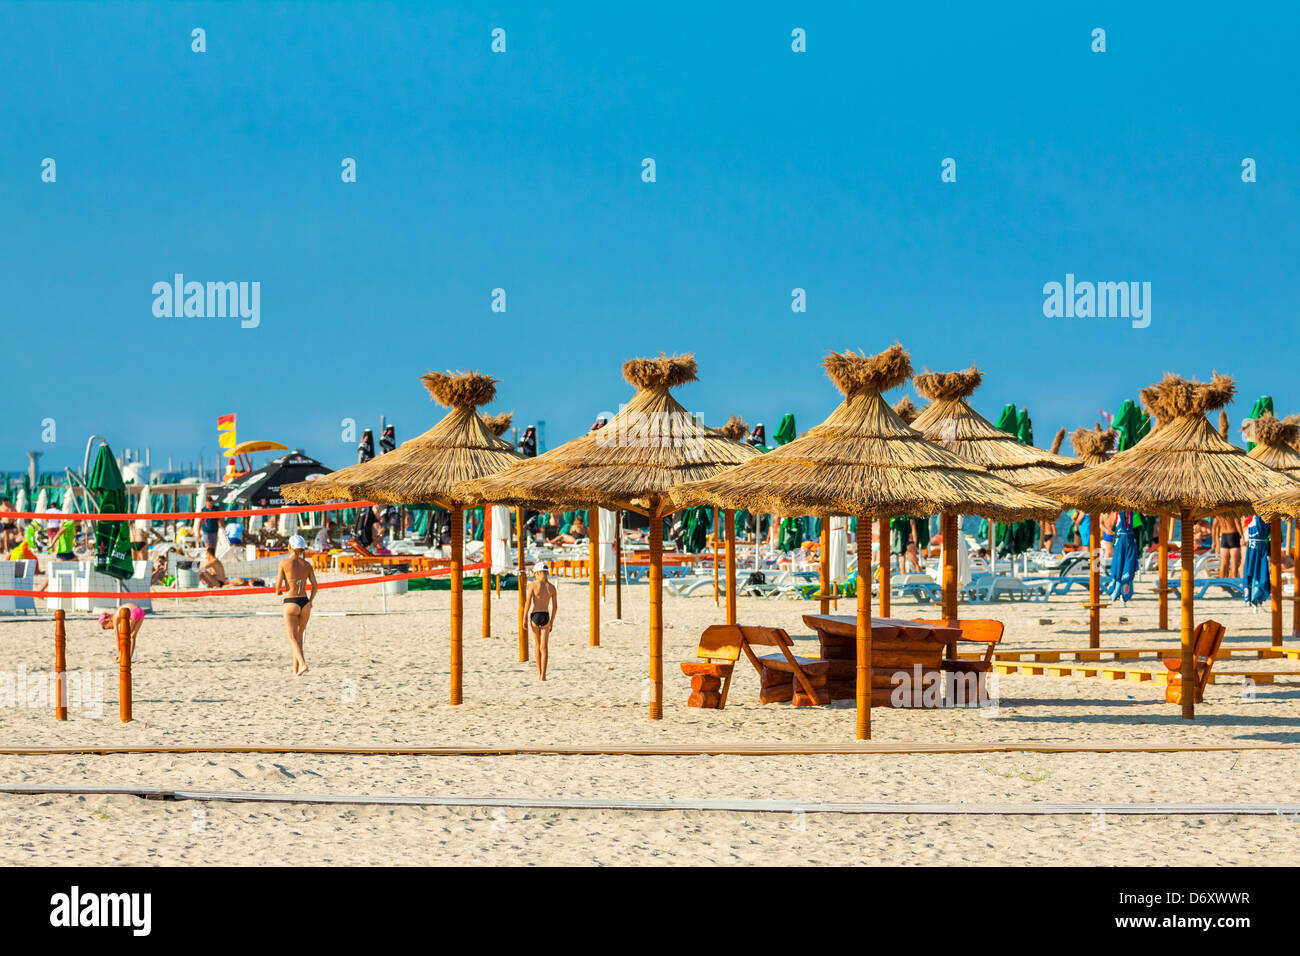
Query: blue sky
(775, 170)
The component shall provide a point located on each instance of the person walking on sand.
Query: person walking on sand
(137, 621)
(294, 575)
(543, 602)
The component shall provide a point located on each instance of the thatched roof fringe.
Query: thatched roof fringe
(498, 424)
(1057, 439)
(735, 429)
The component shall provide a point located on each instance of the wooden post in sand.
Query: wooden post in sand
(1187, 576)
(824, 567)
(864, 629)
(1275, 577)
(885, 560)
(656, 612)
(523, 585)
(124, 664)
(457, 599)
(60, 666)
(1163, 529)
(593, 577)
(1094, 581)
(717, 527)
(618, 565)
(730, 517)
(1295, 571)
(948, 525)
(487, 570)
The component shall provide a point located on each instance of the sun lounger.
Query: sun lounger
(1205, 647)
(920, 586)
(986, 588)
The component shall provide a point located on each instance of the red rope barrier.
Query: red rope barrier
(173, 515)
(229, 592)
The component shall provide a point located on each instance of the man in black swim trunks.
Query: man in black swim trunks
(543, 601)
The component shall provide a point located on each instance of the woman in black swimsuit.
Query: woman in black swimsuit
(542, 605)
(295, 574)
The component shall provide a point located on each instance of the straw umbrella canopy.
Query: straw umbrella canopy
(1182, 467)
(1093, 446)
(950, 421)
(1274, 440)
(632, 463)
(424, 470)
(864, 461)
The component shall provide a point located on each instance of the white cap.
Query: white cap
(544, 567)
(298, 543)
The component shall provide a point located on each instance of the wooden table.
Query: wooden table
(903, 653)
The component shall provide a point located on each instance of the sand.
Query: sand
(382, 681)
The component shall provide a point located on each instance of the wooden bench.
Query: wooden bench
(1205, 647)
(783, 676)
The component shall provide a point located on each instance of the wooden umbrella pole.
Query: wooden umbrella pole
(457, 599)
(1094, 581)
(1295, 573)
(618, 565)
(717, 527)
(656, 612)
(886, 558)
(730, 517)
(824, 567)
(948, 523)
(1162, 589)
(593, 576)
(60, 666)
(864, 629)
(523, 585)
(124, 664)
(1275, 577)
(487, 570)
(1187, 571)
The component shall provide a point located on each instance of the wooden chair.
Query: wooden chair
(808, 686)
(711, 677)
(980, 631)
(1205, 646)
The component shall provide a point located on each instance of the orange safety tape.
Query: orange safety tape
(173, 515)
(229, 592)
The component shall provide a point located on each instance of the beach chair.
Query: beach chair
(1205, 645)
(784, 676)
(711, 676)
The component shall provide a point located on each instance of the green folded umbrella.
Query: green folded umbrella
(112, 538)
(785, 432)
(1262, 404)
(1130, 425)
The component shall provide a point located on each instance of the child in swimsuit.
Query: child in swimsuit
(295, 574)
(137, 621)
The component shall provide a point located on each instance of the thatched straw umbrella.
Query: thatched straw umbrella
(1273, 440)
(498, 425)
(905, 409)
(1093, 446)
(735, 431)
(863, 461)
(424, 470)
(950, 421)
(1182, 467)
(632, 463)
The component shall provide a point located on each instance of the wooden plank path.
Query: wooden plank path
(778, 749)
(1289, 810)
(1257, 652)
(1137, 675)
